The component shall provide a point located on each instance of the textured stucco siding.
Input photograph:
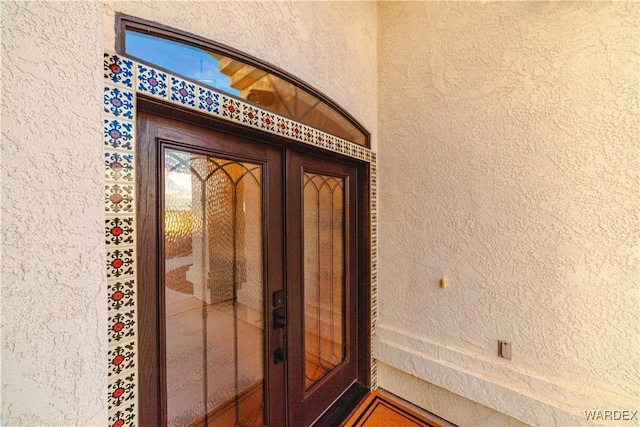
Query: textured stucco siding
(508, 164)
(53, 298)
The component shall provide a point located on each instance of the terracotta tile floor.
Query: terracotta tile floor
(382, 409)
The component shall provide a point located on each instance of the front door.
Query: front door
(321, 283)
(248, 285)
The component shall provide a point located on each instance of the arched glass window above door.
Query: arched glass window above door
(239, 75)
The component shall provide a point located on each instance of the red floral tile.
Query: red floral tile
(121, 392)
(122, 358)
(121, 294)
(121, 326)
(119, 231)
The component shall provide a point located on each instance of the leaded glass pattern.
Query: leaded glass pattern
(213, 290)
(324, 275)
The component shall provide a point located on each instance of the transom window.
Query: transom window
(238, 75)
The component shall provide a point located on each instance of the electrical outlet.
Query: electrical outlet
(504, 350)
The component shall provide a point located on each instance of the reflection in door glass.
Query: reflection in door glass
(244, 80)
(323, 275)
(213, 289)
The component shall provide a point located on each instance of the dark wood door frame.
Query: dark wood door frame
(151, 395)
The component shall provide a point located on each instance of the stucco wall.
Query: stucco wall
(509, 165)
(54, 301)
(53, 282)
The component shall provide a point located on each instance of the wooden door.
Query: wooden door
(322, 271)
(248, 287)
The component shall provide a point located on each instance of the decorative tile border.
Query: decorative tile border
(122, 391)
(124, 79)
(152, 82)
(119, 71)
(123, 416)
(118, 102)
(119, 116)
(183, 92)
(118, 134)
(208, 101)
(373, 188)
(118, 166)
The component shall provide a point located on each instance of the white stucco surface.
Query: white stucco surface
(53, 280)
(508, 164)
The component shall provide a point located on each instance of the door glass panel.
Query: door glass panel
(324, 276)
(213, 287)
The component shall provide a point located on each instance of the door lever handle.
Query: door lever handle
(279, 318)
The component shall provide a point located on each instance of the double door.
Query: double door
(248, 286)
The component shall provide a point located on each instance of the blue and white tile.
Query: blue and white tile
(118, 102)
(118, 133)
(208, 100)
(151, 81)
(183, 92)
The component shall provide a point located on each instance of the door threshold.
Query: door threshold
(383, 409)
(343, 407)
